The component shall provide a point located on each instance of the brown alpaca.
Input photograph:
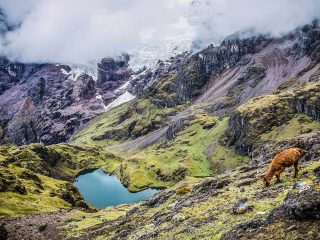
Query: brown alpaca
(281, 161)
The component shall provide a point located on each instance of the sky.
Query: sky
(76, 31)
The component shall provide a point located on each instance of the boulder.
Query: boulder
(3, 233)
(42, 227)
(242, 207)
(300, 186)
(303, 204)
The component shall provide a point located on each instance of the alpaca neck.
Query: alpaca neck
(269, 175)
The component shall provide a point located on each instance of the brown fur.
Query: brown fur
(281, 161)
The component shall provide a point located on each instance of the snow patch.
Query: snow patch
(177, 40)
(64, 71)
(75, 73)
(123, 87)
(12, 73)
(125, 97)
(99, 97)
(90, 68)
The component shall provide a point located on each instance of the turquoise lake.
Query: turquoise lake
(102, 190)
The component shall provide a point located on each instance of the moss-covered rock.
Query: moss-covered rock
(303, 204)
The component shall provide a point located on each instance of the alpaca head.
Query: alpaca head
(300, 151)
(266, 180)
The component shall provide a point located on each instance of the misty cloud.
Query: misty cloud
(75, 31)
(216, 19)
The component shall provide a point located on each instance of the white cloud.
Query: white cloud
(75, 31)
(216, 19)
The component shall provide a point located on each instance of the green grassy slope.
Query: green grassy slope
(29, 176)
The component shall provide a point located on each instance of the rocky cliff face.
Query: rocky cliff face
(189, 79)
(238, 70)
(40, 103)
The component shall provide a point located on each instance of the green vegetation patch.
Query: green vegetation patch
(195, 151)
(123, 123)
(298, 125)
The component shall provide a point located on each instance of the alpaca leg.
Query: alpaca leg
(278, 177)
(296, 170)
(278, 173)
